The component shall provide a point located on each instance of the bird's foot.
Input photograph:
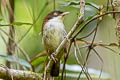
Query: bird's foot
(67, 38)
(52, 56)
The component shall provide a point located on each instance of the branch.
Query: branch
(11, 74)
(100, 45)
(94, 18)
(38, 55)
(69, 35)
(11, 46)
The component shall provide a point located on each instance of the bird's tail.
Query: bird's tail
(55, 69)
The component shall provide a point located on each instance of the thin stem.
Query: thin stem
(54, 5)
(17, 46)
(65, 60)
(113, 9)
(100, 60)
(3, 38)
(107, 5)
(11, 46)
(87, 35)
(97, 44)
(77, 59)
(82, 27)
(89, 49)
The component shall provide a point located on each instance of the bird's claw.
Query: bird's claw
(67, 38)
(52, 56)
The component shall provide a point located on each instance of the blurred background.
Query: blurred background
(20, 45)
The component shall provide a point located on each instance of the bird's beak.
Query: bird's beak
(65, 13)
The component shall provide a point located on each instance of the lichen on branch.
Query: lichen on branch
(12, 74)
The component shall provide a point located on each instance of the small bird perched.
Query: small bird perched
(53, 33)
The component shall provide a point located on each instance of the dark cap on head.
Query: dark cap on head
(53, 14)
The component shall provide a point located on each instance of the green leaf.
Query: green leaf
(38, 60)
(15, 24)
(24, 63)
(1, 19)
(93, 5)
(77, 4)
(72, 3)
(20, 23)
(90, 17)
(19, 61)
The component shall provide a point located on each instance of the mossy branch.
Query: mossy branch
(12, 74)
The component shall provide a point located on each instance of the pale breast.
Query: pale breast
(53, 35)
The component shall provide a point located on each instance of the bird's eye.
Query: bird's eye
(55, 14)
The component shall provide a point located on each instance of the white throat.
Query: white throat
(55, 23)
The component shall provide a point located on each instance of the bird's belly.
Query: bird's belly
(52, 39)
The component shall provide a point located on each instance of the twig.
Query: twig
(6, 73)
(113, 9)
(65, 60)
(22, 50)
(107, 5)
(94, 18)
(78, 49)
(97, 44)
(3, 38)
(11, 46)
(100, 60)
(87, 35)
(89, 49)
(75, 53)
(39, 55)
(28, 8)
(54, 5)
(25, 54)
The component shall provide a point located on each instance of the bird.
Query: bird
(53, 33)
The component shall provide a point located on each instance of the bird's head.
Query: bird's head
(54, 16)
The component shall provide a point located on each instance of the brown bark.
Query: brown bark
(11, 46)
